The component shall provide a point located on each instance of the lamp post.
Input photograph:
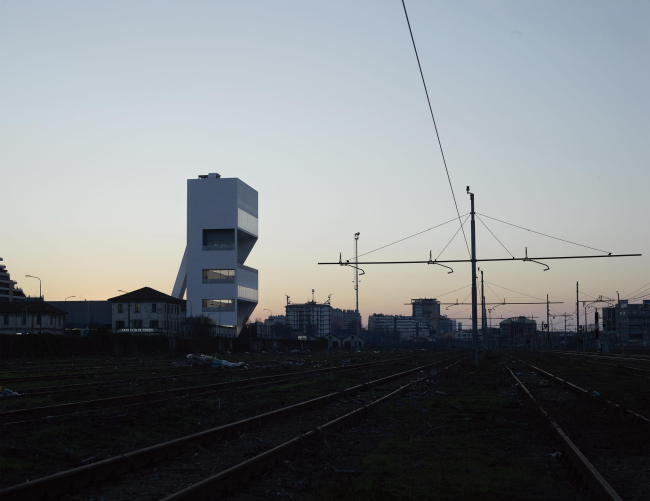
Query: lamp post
(23, 312)
(128, 314)
(40, 295)
(266, 309)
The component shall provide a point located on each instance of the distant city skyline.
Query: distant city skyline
(542, 109)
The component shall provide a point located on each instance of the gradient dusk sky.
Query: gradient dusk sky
(106, 108)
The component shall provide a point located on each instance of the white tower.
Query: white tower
(221, 232)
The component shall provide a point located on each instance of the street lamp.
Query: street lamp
(39, 284)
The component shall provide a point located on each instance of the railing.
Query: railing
(218, 247)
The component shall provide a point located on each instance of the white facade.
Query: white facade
(221, 232)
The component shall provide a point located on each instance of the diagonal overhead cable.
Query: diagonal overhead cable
(486, 226)
(440, 295)
(544, 234)
(410, 236)
(434, 125)
(452, 238)
(516, 292)
(642, 287)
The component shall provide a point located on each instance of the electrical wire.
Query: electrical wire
(516, 292)
(486, 226)
(495, 294)
(544, 234)
(642, 287)
(452, 238)
(440, 295)
(410, 236)
(444, 161)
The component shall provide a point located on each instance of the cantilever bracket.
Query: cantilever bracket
(347, 263)
(533, 261)
(433, 261)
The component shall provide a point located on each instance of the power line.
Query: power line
(516, 292)
(642, 287)
(452, 238)
(444, 161)
(544, 234)
(495, 294)
(486, 226)
(410, 236)
(455, 290)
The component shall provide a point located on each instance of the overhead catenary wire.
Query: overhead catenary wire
(543, 234)
(452, 238)
(486, 226)
(410, 236)
(442, 153)
(495, 294)
(455, 290)
(512, 290)
(637, 290)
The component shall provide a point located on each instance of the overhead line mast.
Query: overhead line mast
(474, 260)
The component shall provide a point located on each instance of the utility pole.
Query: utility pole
(474, 294)
(548, 324)
(577, 319)
(483, 323)
(356, 282)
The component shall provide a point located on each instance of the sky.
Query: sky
(106, 108)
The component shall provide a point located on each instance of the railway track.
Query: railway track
(607, 453)
(574, 388)
(22, 415)
(78, 478)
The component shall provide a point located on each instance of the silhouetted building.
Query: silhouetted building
(520, 330)
(345, 320)
(396, 328)
(311, 318)
(630, 322)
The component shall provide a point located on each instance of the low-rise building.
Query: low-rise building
(85, 315)
(397, 327)
(146, 311)
(519, 330)
(23, 317)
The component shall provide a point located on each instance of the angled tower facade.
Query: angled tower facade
(221, 232)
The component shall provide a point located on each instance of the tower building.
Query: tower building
(221, 232)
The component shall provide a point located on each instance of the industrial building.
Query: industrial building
(222, 228)
(85, 315)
